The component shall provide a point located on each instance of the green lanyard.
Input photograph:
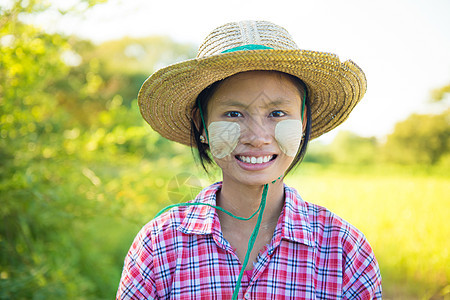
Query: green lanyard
(252, 239)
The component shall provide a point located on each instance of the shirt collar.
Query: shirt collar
(293, 223)
(199, 218)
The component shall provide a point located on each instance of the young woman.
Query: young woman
(250, 101)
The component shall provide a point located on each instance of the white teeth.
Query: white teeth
(255, 160)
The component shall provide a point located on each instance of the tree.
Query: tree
(349, 148)
(439, 94)
(420, 139)
(73, 154)
(38, 228)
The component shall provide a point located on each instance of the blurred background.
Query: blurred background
(81, 172)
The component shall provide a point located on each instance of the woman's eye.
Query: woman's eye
(233, 114)
(277, 114)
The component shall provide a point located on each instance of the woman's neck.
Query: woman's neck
(243, 200)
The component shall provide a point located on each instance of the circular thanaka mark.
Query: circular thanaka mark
(288, 134)
(223, 137)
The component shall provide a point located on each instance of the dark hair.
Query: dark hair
(203, 99)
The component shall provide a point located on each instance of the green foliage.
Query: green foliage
(141, 55)
(346, 148)
(77, 166)
(12, 8)
(440, 93)
(318, 153)
(349, 148)
(420, 139)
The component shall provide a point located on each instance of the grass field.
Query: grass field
(405, 217)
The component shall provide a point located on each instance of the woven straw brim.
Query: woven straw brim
(167, 97)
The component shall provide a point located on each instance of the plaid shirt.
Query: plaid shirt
(313, 254)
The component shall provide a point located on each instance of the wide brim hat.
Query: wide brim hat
(167, 97)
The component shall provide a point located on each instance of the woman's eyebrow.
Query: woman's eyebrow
(265, 103)
(278, 102)
(232, 103)
(281, 103)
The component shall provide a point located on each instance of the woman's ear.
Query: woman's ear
(304, 118)
(195, 115)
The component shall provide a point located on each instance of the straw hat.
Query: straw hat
(167, 97)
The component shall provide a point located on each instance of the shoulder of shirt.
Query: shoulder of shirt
(173, 218)
(325, 223)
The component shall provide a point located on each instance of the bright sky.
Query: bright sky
(402, 46)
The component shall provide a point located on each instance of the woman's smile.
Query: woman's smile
(255, 159)
(255, 162)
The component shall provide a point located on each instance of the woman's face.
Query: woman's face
(254, 126)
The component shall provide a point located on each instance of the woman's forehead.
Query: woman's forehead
(257, 88)
(259, 102)
(258, 78)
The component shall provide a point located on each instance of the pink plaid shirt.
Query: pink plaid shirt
(313, 254)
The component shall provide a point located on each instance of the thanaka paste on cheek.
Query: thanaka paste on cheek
(288, 134)
(223, 137)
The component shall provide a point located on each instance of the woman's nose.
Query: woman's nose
(256, 133)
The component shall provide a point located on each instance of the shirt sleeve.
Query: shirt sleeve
(137, 281)
(362, 278)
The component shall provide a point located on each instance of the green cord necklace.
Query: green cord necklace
(253, 236)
